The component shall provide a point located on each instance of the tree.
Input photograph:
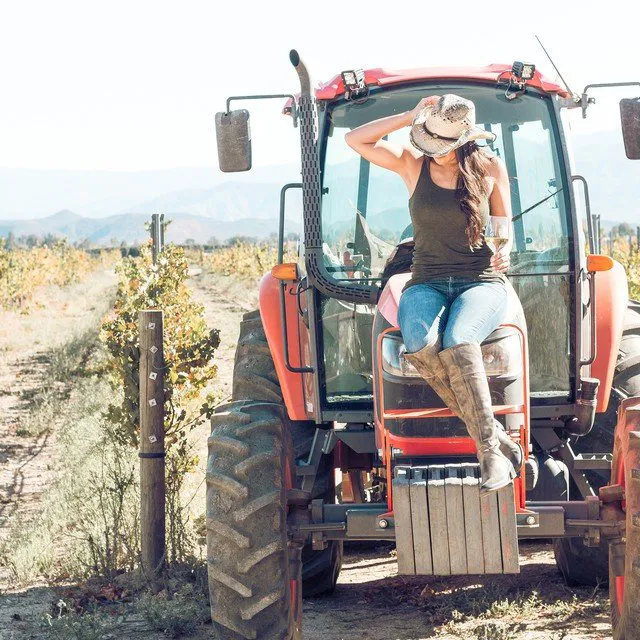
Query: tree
(623, 229)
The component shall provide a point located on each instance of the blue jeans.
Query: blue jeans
(455, 309)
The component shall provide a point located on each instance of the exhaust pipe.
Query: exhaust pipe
(317, 272)
(582, 422)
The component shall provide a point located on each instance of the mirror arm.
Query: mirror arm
(283, 193)
(587, 206)
(585, 101)
(294, 109)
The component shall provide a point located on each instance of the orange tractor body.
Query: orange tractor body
(331, 435)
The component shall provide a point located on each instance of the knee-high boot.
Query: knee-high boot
(468, 379)
(430, 367)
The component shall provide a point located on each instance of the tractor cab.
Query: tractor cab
(365, 217)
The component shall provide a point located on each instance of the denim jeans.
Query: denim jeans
(456, 309)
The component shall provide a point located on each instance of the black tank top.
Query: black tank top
(439, 232)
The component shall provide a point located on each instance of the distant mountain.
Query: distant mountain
(35, 193)
(130, 228)
(227, 201)
(233, 202)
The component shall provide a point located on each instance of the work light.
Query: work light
(354, 84)
(523, 70)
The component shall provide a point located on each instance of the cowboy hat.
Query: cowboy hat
(446, 125)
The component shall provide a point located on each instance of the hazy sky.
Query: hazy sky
(135, 84)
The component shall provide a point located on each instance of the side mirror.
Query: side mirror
(630, 117)
(234, 141)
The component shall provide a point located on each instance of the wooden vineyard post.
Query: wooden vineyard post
(152, 478)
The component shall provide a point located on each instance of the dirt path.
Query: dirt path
(26, 343)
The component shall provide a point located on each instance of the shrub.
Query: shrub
(24, 271)
(189, 348)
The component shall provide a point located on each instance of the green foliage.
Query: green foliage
(177, 615)
(247, 261)
(629, 256)
(24, 271)
(189, 346)
(70, 625)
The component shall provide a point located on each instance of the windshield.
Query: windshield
(365, 215)
(365, 208)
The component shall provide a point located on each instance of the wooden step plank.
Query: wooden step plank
(438, 520)
(420, 521)
(491, 546)
(455, 520)
(403, 526)
(508, 530)
(472, 518)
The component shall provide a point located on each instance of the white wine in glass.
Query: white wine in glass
(496, 233)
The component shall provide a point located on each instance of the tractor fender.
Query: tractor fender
(611, 298)
(270, 314)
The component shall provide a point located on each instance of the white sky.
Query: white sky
(134, 84)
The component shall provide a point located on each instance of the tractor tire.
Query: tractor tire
(251, 590)
(255, 380)
(624, 578)
(627, 376)
(579, 564)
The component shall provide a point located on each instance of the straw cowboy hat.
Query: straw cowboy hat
(446, 125)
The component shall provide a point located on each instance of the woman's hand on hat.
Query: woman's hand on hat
(501, 260)
(425, 102)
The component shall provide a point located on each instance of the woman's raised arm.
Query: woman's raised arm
(368, 141)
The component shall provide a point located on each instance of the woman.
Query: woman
(457, 293)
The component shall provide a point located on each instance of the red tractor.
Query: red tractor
(332, 435)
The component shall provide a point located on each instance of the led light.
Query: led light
(354, 84)
(349, 78)
(523, 70)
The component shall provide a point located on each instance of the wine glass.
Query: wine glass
(496, 233)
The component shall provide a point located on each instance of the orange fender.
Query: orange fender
(611, 306)
(290, 383)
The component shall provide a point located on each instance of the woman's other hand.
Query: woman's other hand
(425, 102)
(501, 260)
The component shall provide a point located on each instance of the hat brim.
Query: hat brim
(436, 147)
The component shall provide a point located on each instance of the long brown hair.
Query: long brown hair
(473, 166)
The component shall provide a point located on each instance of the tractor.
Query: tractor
(332, 436)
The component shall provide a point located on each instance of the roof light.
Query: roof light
(523, 70)
(354, 84)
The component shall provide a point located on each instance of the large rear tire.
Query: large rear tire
(624, 577)
(579, 564)
(250, 586)
(255, 380)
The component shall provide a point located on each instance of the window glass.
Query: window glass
(365, 214)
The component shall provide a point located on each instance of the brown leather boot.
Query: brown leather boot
(430, 367)
(468, 379)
